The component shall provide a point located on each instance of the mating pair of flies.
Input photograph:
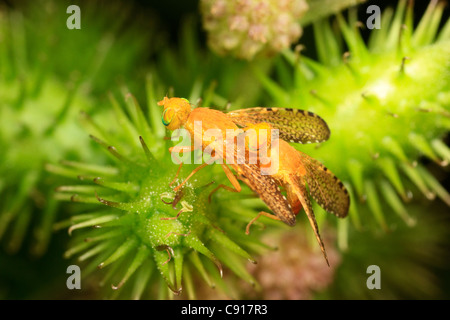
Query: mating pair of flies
(295, 168)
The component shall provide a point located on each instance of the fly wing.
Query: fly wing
(295, 125)
(325, 188)
(267, 189)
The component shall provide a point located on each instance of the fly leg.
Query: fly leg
(262, 213)
(190, 175)
(180, 149)
(236, 186)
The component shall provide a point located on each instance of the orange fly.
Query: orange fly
(177, 113)
(295, 168)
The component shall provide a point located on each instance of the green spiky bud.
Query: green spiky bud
(138, 227)
(386, 103)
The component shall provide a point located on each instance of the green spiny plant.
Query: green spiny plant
(42, 78)
(136, 228)
(386, 103)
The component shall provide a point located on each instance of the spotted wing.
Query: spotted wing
(325, 188)
(267, 189)
(295, 125)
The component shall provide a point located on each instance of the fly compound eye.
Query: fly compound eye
(167, 116)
